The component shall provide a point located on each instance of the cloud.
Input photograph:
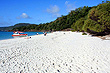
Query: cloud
(54, 10)
(66, 2)
(69, 6)
(24, 16)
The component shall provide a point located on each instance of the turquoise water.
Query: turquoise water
(8, 35)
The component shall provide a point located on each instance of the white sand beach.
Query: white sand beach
(58, 52)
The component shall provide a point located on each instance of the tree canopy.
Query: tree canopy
(94, 19)
(97, 20)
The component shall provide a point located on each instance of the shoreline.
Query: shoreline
(8, 35)
(64, 52)
(106, 37)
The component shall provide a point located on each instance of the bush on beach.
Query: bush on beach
(84, 33)
(97, 22)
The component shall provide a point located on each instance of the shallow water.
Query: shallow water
(8, 35)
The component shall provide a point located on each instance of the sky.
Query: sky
(38, 11)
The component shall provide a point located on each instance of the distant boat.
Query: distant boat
(18, 33)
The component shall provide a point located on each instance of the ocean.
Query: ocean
(8, 35)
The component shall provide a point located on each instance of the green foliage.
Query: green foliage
(92, 25)
(60, 23)
(90, 19)
(97, 20)
(77, 14)
(21, 24)
(93, 14)
(100, 18)
(84, 33)
(79, 24)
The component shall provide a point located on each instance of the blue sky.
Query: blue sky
(38, 11)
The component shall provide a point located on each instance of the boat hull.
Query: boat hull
(20, 35)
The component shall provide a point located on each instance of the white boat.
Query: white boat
(18, 33)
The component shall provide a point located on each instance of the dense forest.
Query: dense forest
(95, 20)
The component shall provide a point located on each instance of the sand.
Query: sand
(58, 52)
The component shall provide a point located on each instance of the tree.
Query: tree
(78, 24)
(92, 26)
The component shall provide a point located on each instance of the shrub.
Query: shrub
(84, 33)
(93, 26)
